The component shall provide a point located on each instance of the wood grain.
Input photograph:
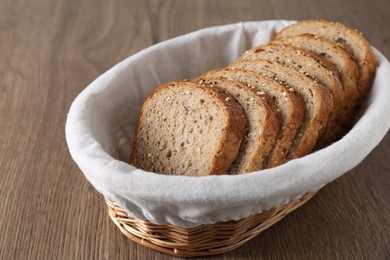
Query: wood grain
(49, 52)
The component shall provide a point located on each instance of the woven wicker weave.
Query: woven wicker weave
(203, 240)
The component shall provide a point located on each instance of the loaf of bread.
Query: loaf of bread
(277, 102)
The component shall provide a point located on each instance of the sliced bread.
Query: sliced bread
(318, 101)
(346, 65)
(303, 61)
(262, 127)
(289, 104)
(347, 68)
(347, 38)
(300, 60)
(187, 128)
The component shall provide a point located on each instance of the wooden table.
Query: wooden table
(49, 52)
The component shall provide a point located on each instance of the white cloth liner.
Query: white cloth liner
(102, 119)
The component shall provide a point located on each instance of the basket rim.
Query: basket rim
(189, 242)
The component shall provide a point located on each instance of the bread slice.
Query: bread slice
(318, 101)
(347, 38)
(188, 129)
(262, 127)
(346, 65)
(289, 104)
(304, 62)
(300, 60)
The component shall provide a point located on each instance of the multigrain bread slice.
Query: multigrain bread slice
(188, 129)
(346, 65)
(262, 127)
(350, 40)
(318, 101)
(347, 68)
(290, 105)
(307, 63)
(302, 61)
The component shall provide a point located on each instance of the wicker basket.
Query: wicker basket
(203, 240)
(102, 118)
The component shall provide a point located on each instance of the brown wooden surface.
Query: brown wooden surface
(50, 50)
